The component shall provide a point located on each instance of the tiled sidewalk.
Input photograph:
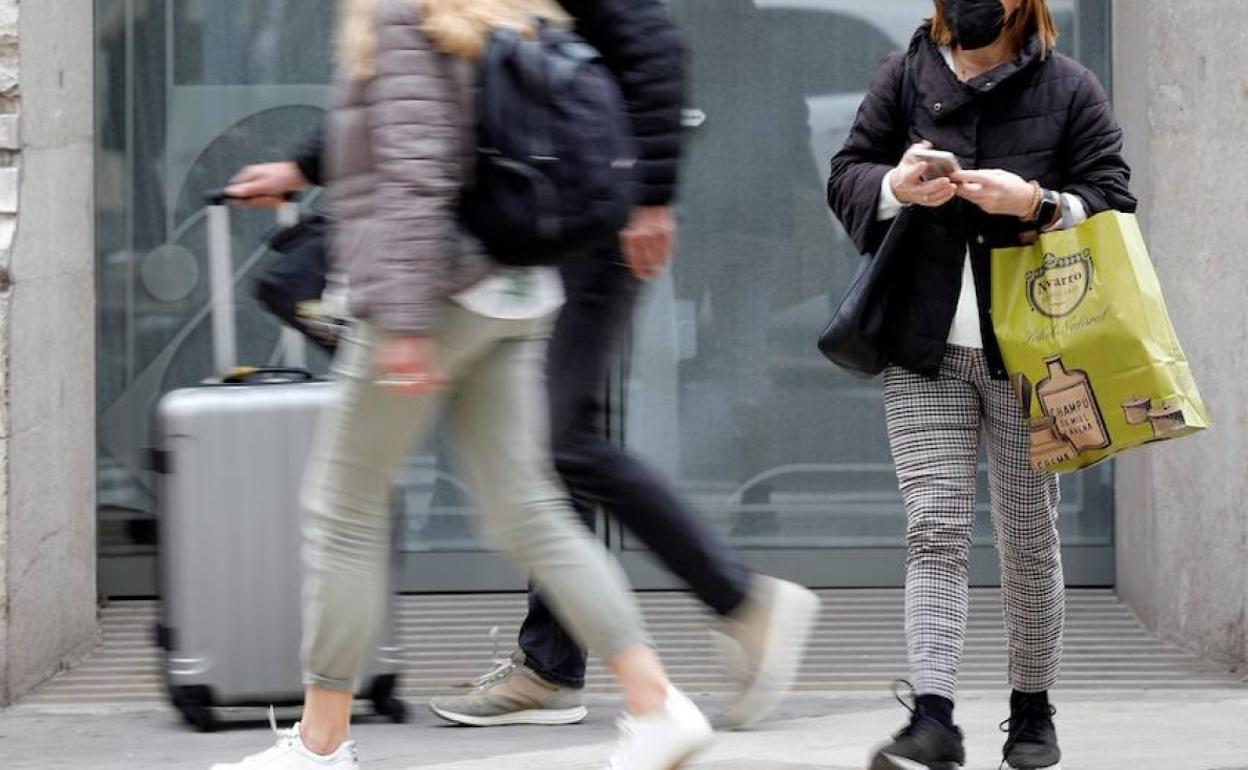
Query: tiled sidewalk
(1127, 701)
(1139, 730)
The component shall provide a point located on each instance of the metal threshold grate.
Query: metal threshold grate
(859, 646)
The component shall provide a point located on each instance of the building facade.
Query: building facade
(115, 119)
(1182, 511)
(47, 338)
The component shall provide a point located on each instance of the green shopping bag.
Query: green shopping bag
(1089, 345)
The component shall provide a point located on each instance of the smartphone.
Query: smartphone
(940, 164)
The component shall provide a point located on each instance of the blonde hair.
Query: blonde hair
(457, 27)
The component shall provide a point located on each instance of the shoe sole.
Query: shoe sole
(888, 762)
(703, 746)
(792, 621)
(547, 717)
(686, 758)
(1050, 767)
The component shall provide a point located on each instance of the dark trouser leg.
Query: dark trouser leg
(601, 296)
(549, 650)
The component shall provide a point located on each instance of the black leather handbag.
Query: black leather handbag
(856, 339)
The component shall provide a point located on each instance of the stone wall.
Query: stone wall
(47, 340)
(9, 104)
(1181, 91)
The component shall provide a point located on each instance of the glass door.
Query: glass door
(188, 92)
(723, 388)
(781, 451)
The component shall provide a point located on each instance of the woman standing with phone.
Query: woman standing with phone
(1038, 131)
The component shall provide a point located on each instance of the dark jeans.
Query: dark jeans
(601, 295)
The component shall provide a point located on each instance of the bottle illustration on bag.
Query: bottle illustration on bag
(1048, 447)
(1068, 397)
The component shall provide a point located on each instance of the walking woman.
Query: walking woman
(1040, 150)
(440, 329)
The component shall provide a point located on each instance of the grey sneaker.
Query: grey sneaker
(763, 643)
(502, 665)
(513, 695)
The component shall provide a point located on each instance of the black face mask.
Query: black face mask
(975, 23)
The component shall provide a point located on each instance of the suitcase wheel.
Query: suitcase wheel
(195, 706)
(393, 709)
(201, 718)
(385, 702)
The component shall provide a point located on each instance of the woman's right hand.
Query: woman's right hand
(909, 187)
(407, 365)
(265, 185)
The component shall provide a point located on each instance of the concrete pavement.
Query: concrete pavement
(1109, 730)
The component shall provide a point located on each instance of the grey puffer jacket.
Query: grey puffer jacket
(400, 149)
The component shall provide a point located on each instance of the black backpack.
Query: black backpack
(555, 155)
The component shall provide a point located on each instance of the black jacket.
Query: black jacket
(1044, 118)
(643, 48)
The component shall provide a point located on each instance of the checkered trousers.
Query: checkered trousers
(934, 427)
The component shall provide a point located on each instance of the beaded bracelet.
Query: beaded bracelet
(1037, 200)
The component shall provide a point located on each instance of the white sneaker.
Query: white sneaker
(763, 646)
(291, 754)
(663, 742)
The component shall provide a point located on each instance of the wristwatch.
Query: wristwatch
(1050, 205)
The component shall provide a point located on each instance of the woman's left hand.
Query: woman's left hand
(648, 240)
(996, 191)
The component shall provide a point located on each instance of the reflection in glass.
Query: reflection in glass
(779, 448)
(727, 391)
(188, 92)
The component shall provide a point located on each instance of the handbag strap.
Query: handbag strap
(908, 97)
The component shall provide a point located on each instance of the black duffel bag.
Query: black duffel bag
(291, 282)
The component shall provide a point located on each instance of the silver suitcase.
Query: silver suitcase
(230, 459)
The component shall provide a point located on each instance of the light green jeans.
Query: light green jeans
(497, 408)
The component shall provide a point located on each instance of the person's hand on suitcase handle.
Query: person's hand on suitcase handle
(408, 365)
(266, 185)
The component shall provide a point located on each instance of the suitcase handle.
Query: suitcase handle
(221, 283)
(219, 197)
(248, 375)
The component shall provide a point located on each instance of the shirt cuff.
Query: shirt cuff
(889, 206)
(1074, 213)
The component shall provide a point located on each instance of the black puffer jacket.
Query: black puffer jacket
(1044, 118)
(643, 48)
